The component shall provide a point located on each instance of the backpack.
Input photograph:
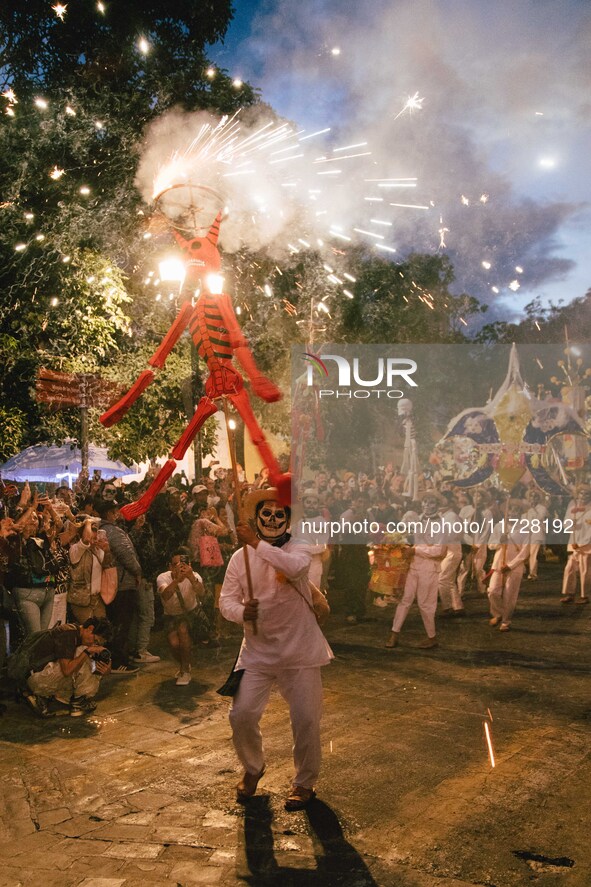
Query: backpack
(23, 661)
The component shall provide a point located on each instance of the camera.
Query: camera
(103, 656)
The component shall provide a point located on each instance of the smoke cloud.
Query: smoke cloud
(506, 114)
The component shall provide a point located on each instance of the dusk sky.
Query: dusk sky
(499, 147)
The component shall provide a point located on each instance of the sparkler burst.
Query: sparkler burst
(413, 103)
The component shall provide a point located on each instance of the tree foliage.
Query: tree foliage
(78, 94)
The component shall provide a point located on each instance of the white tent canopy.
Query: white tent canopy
(55, 464)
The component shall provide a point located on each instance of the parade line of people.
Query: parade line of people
(81, 588)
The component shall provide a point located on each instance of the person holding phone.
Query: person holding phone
(181, 592)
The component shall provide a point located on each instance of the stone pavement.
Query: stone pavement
(142, 792)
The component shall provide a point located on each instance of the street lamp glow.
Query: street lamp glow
(215, 284)
(172, 270)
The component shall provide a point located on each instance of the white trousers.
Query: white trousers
(576, 566)
(302, 690)
(534, 548)
(448, 590)
(503, 592)
(473, 564)
(421, 583)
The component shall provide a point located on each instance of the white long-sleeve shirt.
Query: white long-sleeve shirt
(288, 635)
(511, 553)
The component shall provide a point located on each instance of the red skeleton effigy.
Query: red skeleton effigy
(217, 337)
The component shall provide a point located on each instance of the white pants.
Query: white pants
(503, 592)
(473, 564)
(52, 682)
(421, 583)
(302, 690)
(534, 548)
(448, 590)
(576, 565)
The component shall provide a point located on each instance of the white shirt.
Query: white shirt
(581, 531)
(288, 635)
(537, 513)
(467, 514)
(512, 553)
(172, 606)
(76, 551)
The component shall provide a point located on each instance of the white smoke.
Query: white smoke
(506, 87)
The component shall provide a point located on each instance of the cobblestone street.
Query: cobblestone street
(142, 792)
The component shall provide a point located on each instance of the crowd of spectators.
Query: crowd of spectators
(67, 557)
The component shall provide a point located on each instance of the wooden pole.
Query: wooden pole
(239, 507)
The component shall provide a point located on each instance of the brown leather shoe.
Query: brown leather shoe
(247, 786)
(299, 798)
(428, 644)
(392, 640)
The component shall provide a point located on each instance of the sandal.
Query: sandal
(247, 786)
(299, 798)
(392, 640)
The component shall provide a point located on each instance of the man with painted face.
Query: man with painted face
(283, 644)
(313, 515)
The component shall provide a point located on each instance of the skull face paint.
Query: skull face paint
(272, 520)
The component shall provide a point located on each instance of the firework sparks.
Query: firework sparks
(56, 173)
(413, 103)
(60, 10)
(489, 744)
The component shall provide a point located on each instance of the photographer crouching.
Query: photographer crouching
(62, 667)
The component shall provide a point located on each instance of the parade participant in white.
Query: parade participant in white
(283, 645)
(511, 552)
(312, 515)
(535, 515)
(449, 595)
(477, 519)
(579, 548)
(423, 576)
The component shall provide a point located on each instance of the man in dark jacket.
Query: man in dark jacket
(129, 574)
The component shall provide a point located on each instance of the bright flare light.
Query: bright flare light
(237, 83)
(215, 284)
(172, 270)
(101, 7)
(547, 162)
(335, 51)
(56, 173)
(514, 285)
(413, 103)
(486, 265)
(85, 190)
(210, 73)
(143, 46)
(41, 103)
(60, 10)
